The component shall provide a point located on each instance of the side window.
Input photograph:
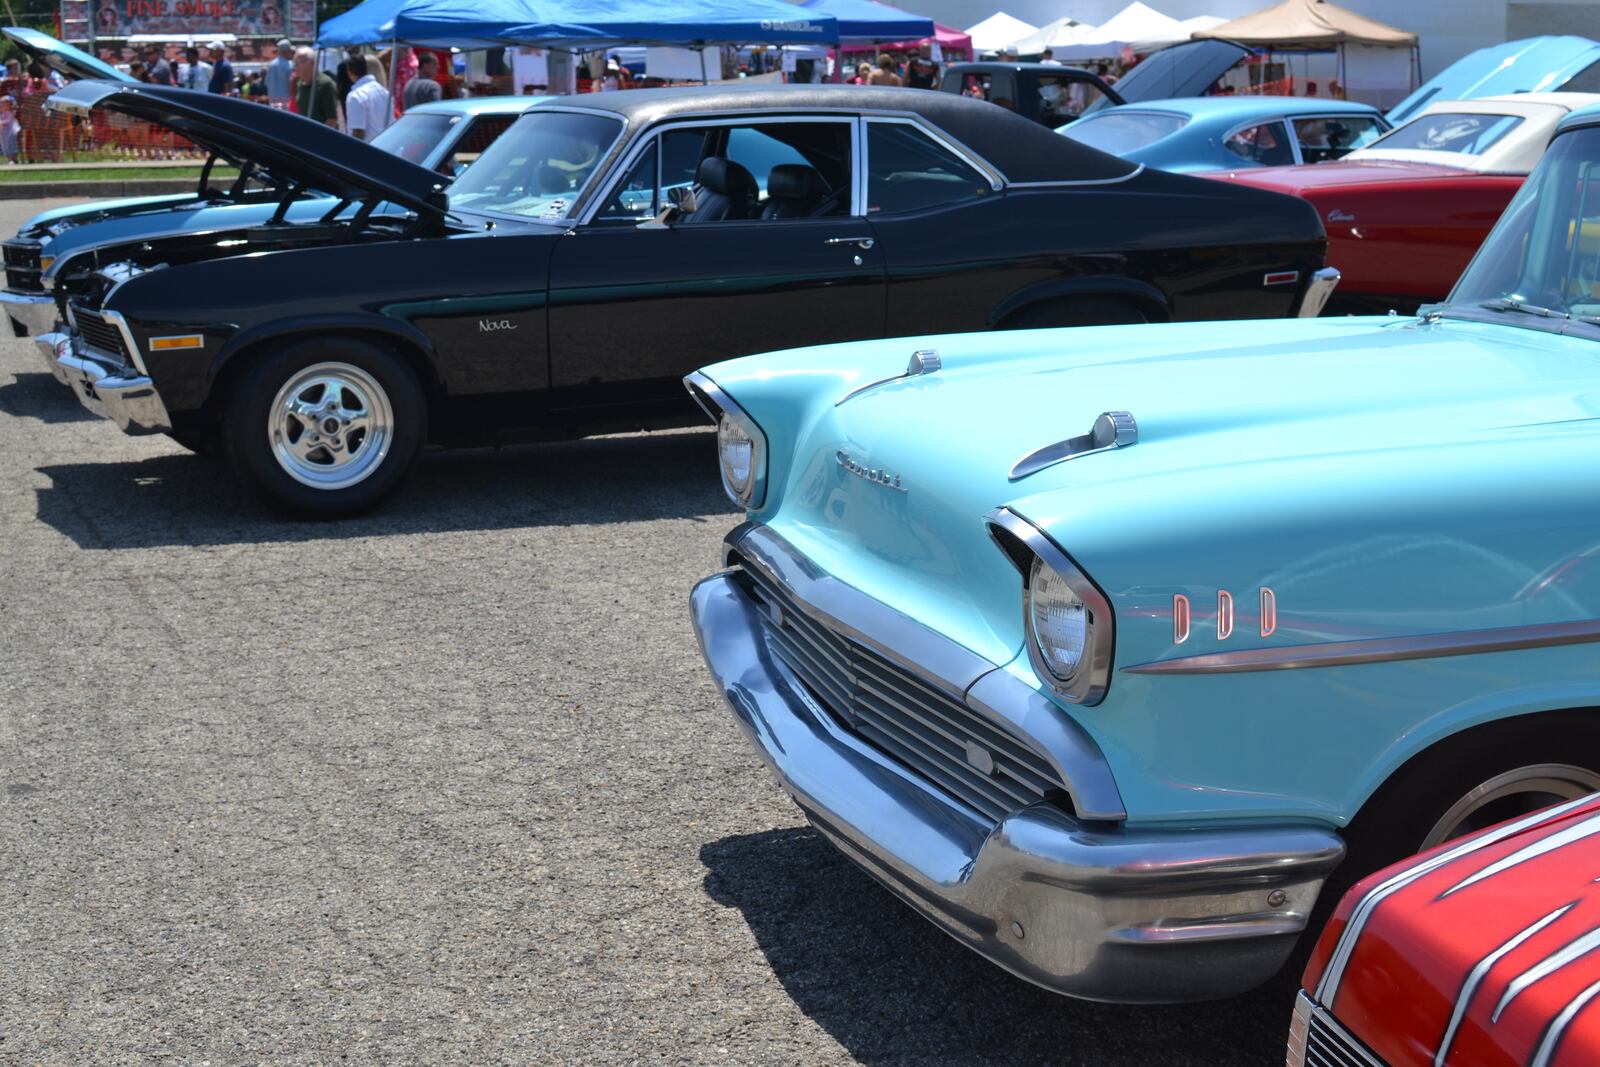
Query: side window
(909, 171)
(1322, 139)
(637, 198)
(1063, 99)
(1266, 144)
(480, 135)
(1002, 90)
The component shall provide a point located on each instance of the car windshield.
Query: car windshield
(1541, 262)
(414, 136)
(1448, 131)
(1119, 132)
(539, 167)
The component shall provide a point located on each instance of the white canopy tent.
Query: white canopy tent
(1136, 22)
(996, 32)
(1052, 35)
(1185, 28)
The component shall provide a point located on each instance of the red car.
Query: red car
(1484, 951)
(1405, 214)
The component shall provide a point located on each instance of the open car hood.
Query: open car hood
(291, 148)
(71, 63)
(1186, 69)
(1531, 65)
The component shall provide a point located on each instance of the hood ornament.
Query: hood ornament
(1113, 429)
(923, 361)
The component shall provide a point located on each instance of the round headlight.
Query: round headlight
(736, 451)
(1059, 619)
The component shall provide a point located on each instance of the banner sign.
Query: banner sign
(111, 19)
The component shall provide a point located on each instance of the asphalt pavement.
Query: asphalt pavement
(443, 785)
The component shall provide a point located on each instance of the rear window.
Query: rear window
(1445, 131)
(1120, 132)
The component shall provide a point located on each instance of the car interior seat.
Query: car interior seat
(794, 191)
(725, 191)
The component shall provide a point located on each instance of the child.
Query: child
(10, 128)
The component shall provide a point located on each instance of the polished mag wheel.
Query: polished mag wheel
(1510, 794)
(330, 426)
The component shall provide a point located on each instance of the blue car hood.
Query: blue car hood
(95, 211)
(1531, 65)
(1257, 441)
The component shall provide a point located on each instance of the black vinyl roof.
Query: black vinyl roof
(1022, 150)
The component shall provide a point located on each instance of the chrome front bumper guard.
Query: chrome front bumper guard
(1318, 290)
(1089, 909)
(35, 312)
(117, 393)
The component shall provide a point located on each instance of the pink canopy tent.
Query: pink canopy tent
(950, 40)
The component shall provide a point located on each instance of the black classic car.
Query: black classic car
(605, 246)
(1047, 93)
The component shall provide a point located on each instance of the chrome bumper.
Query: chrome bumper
(1089, 909)
(49, 346)
(34, 312)
(126, 398)
(1318, 290)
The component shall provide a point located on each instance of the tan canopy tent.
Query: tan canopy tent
(1377, 63)
(1307, 24)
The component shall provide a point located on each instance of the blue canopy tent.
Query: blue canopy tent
(868, 22)
(577, 23)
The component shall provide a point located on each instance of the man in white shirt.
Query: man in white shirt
(367, 109)
(196, 74)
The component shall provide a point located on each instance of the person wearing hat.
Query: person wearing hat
(280, 70)
(221, 70)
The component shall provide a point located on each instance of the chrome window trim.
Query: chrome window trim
(1288, 131)
(1380, 650)
(1089, 683)
(652, 134)
(1067, 183)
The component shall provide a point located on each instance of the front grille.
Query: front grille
(1328, 1045)
(97, 333)
(22, 266)
(911, 722)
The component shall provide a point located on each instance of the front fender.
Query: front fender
(348, 322)
(1100, 285)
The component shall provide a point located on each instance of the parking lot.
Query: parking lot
(447, 784)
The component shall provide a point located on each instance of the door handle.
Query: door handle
(862, 243)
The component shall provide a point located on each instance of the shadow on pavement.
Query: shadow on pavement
(40, 396)
(183, 499)
(890, 987)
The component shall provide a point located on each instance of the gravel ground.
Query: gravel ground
(443, 785)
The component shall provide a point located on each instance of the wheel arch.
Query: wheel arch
(400, 338)
(1150, 299)
(1483, 720)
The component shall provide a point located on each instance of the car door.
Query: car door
(940, 218)
(635, 305)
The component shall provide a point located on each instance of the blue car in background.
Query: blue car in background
(1100, 647)
(1229, 132)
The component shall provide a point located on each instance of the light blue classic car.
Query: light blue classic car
(1102, 647)
(1230, 132)
(445, 135)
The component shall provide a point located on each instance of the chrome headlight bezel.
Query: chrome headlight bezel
(1029, 548)
(731, 419)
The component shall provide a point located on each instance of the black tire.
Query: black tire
(1402, 817)
(1398, 820)
(255, 445)
(1077, 311)
(202, 442)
